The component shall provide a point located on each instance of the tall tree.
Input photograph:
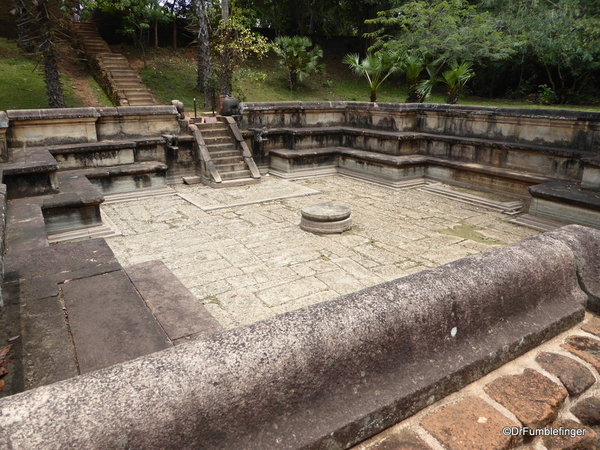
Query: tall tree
(451, 30)
(39, 23)
(561, 36)
(205, 81)
(233, 44)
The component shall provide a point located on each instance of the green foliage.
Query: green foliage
(453, 78)
(233, 44)
(137, 16)
(546, 94)
(447, 29)
(561, 36)
(298, 58)
(375, 67)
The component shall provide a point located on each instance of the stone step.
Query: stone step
(237, 159)
(236, 174)
(539, 223)
(228, 147)
(506, 207)
(224, 154)
(213, 140)
(179, 312)
(109, 321)
(211, 127)
(228, 168)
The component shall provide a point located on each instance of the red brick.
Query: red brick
(470, 424)
(586, 348)
(532, 397)
(572, 374)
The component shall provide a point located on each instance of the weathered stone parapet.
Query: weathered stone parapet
(325, 376)
(558, 128)
(125, 122)
(3, 143)
(33, 127)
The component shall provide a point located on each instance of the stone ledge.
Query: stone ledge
(566, 192)
(329, 375)
(53, 113)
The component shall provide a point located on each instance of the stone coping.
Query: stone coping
(48, 114)
(89, 112)
(150, 110)
(418, 107)
(329, 375)
(566, 192)
(3, 120)
(412, 135)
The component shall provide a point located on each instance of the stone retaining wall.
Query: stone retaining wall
(562, 129)
(330, 375)
(37, 127)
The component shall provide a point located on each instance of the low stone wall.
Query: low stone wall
(2, 238)
(329, 375)
(39, 127)
(562, 129)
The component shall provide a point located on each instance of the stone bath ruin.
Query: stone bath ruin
(281, 381)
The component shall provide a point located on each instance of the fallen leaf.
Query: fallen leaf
(14, 338)
(5, 351)
(3, 371)
(6, 361)
(1, 385)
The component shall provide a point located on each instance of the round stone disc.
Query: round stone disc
(326, 212)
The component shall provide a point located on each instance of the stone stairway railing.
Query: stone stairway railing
(224, 156)
(112, 70)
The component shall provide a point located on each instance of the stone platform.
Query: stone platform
(326, 218)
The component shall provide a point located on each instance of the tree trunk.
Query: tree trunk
(205, 80)
(373, 95)
(25, 33)
(54, 88)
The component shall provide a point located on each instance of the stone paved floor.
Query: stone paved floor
(249, 262)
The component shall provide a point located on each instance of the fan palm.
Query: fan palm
(375, 67)
(297, 58)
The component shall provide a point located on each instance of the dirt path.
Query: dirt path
(78, 76)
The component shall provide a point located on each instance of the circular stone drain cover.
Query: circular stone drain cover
(326, 218)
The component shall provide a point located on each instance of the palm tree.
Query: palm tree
(299, 61)
(375, 67)
(412, 66)
(455, 79)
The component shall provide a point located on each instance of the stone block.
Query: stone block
(51, 126)
(588, 411)
(532, 397)
(109, 321)
(177, 310)
(573, 375)
(586, 348)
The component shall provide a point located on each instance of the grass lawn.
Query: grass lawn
(172, 75)
(22, 82)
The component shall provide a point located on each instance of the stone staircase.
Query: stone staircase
(232, 166)
(112, 70)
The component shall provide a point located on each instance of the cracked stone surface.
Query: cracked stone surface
(246, 263)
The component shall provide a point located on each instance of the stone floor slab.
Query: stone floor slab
(109, 321)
